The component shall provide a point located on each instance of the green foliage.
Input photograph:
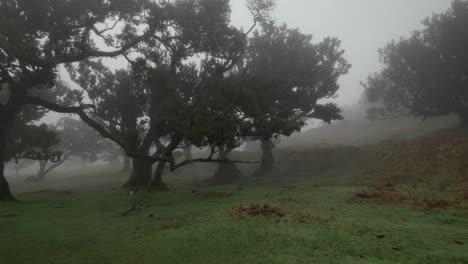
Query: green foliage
(426, 74)
(78, 139)
(165, 98)
(286, 76)
(35, 143)
(38, 35)
(30, 141)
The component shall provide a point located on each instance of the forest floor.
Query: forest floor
(325, 209)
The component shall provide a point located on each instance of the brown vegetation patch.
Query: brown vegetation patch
(302, 218)
(257, 210)
(413, 160)
(437, 203)
(464, 195)
(382, 193)
(270, 212)
(389, 194)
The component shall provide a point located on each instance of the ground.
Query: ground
(327, 214)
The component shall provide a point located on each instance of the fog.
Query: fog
(364, 26)
(233, 131)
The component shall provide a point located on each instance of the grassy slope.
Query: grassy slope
(87, 226)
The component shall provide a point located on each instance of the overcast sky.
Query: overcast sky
(364, 26)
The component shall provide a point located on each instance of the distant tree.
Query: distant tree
(73, 138)
(426, 74)
(282, 81)
(38, 36)
(38, 143)
(45, 145)
(18, 165)
(30, 141)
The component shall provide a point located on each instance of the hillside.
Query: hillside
(398, 201)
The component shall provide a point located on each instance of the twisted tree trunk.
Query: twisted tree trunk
(5, 192)
(8, 112)
(41, 174)
(187, 150)
(227, 173)
(141, 174)
(127, 164)
(158, 183)
(267, 157)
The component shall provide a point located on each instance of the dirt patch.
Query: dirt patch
(437, 203)
(257, 210)
(302, 218)
(390, 195)
(270, 212)
(382, 193)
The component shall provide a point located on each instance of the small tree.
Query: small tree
(73, 138)
(426, 74)
(35, 143)
(282, 81)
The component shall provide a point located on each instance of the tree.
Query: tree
(18, 165)
(426, 74)
(73, 138)
(38, 36)
(165, 99)
(282, 81)
(42, 145)
(33, 142)
(30, 141)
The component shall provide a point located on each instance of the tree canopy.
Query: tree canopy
(425, 74)
(283, 82)
(37, 36)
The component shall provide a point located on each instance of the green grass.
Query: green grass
(83, 222)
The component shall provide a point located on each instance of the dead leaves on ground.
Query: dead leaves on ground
(269, 212)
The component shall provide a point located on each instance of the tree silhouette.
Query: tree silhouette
(426, 74)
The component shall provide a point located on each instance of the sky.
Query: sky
(364, 26)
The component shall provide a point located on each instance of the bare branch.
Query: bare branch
(99, 53)
(80, 111)
(209, 160)
(100, 32)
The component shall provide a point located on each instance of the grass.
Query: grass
(81, 220)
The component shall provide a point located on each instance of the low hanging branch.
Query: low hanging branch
(80, 111)
(209, 160)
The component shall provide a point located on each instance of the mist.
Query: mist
(233, 131)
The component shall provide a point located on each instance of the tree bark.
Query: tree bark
(140, 175)
(187, 150)
(43, 170)
(158, 183)
(41, 174)
(267, 157)
(8, 114)
(127, 164)
(227, 173)
(5, 192)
